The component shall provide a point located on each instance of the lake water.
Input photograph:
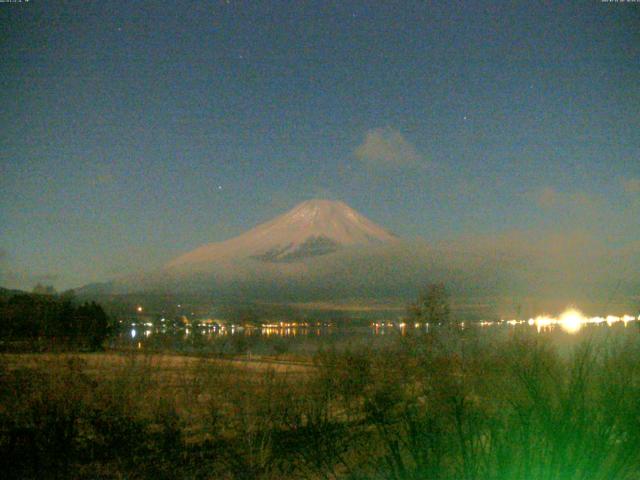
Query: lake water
(296, 338)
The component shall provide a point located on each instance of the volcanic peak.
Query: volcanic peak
(312, 228)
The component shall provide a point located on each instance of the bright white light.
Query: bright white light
(133, 333)
(572, 320)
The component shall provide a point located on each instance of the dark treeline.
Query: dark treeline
(55, 319)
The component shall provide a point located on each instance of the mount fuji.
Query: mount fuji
(312, 228)
(324, 250)
(319, 249)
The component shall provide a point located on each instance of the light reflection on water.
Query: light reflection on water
(570, 321)
(237, 330)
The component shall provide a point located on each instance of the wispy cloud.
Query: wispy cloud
(19, 278)
(25, 281)
(549, 198)
(102, 179)
(387, 147)
(631, 185)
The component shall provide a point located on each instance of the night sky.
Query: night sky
(133, 131)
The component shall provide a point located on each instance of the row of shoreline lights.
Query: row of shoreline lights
(571, 320)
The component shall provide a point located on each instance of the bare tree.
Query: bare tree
(432, 305)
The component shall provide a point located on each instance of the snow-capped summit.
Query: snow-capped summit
(314, 227)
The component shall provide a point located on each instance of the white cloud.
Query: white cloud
(387, 147)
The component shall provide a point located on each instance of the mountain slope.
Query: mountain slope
(312, 228)
(324, 250)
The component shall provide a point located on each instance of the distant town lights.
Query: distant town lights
(571, 320)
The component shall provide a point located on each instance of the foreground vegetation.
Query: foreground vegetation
(449, 405)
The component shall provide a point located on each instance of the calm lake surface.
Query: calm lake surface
(306, 339)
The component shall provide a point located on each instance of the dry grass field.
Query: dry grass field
(440, 406)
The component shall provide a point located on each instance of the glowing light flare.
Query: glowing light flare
(572, 320)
